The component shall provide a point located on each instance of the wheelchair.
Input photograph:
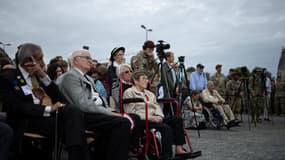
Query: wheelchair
(148, 143)
(213, 117)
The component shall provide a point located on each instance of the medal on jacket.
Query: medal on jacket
(17, 88)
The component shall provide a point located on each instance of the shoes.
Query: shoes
(188, 155)
(259, 120)
(231, 124)
(238, 121)
(170, 158)
(228, 126)
(234, 123)
(267, 119)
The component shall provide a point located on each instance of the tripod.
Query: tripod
(163, 82)
(244, 83)
(179, 76)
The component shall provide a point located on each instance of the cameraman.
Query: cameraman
(169, 79)
(145, 60)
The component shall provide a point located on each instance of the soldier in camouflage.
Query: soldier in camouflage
(145, 60)
(257, 93)
(279, 100)
(219, 80)
(233, 94)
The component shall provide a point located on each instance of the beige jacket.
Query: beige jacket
(139, 108)
(213, 97)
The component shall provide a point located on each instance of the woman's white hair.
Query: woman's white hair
(119, 69)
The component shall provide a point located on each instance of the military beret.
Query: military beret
(218, 66)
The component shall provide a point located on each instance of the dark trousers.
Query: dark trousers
(71, 127)
(172, 133)
(6, 138)
(113, 131)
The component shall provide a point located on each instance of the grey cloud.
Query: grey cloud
(236, 32)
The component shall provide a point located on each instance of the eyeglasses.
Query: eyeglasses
(144, 78)
(86, 57)
(129, 71)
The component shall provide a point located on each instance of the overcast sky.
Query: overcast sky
(229, 32)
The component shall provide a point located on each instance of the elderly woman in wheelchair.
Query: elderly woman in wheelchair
(192, 111)
(170, 127)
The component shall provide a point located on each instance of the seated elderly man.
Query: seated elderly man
(79, 89)
(209, 95)
(32, 100)
(170, 127)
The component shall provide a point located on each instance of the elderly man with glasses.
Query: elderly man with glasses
(78, 88)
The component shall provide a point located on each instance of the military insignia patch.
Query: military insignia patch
(17, 88)
(22, 81)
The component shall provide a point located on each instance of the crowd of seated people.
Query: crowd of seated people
(79, 92)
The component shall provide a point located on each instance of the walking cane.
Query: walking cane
(55, 154)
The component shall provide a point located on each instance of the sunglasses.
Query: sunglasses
(129, 71)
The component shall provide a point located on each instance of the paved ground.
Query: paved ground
(266, 141)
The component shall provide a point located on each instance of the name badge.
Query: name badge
(26, 89)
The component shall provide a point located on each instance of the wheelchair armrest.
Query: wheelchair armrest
(34, 135)
(166, 100)
(170, 101)
(132, 100)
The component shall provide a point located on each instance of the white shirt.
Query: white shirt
(172, 69)
(268, 85)
(46, 81)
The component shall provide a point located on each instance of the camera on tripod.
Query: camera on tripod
(244, 71)
(160, 47)
(181, 59)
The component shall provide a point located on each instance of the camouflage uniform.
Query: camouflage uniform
(219, 83)
(147, 63)
(256, 90)
(279, 100)
(233, 94)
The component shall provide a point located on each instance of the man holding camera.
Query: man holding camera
(145, 60)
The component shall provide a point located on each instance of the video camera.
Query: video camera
(160, 47)
(181, 59)
(244, 72)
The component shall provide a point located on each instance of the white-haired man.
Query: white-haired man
(210, 95)
(79, 89)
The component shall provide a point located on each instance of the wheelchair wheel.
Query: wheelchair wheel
(209, 117)
(153, 147)
(217, 118)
